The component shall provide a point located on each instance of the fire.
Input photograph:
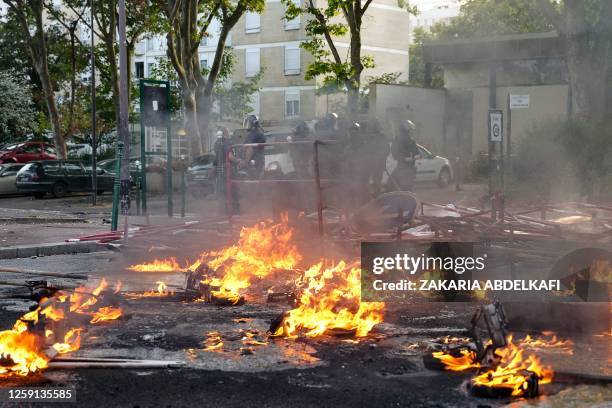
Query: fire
(106, 313)
(161, 291)
(29, 345)
(466, 361)
(21, 353)
(550, 343)
(260, 251)
(510, 373)
(213, 342)
(158, 265)
(331, 300)
(72, 342)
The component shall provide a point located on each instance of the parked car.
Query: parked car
(27, 151)
(433, 168)
(199, 177)
(8, 175)
(277, 158)
(429, 168)
(60, 177)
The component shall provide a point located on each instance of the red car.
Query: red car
(25, 152)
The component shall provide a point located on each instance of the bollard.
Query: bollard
(116, 187)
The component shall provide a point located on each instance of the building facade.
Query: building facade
(270, 42)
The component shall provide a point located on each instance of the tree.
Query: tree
(140, 18)
(325, 26)
(585, 28)
(186, 23)
(416, 74)
(29, 15)
(16, 111)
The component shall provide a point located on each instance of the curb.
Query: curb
(55, 248)
(36, 220)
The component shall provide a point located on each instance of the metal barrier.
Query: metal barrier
(316, 179)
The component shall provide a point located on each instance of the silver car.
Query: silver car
(8, 174)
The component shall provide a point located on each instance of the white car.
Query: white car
(8, 174)
(429, 168)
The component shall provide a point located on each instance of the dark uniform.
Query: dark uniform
(256, 135)
(404, 149)
(376, 160)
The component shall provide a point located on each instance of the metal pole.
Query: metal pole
(143, 152)
(116, 187)
(509, 136)
(318, 187)
(169, 151)
(94, 142)
(228, 184)
(123, 111)
(183, 190)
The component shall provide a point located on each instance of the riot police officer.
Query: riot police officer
(405, 150)
(254, 154)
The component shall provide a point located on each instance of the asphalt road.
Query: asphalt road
(381, 371)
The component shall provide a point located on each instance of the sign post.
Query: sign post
(496, 164)
(155, 112)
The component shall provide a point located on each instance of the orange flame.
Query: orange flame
(22, 351)
(331, 300)
(509, 373)
(466, 361)
(106, 313)
(72, 342)
(260, 250)
(550, 343)
(158, 265)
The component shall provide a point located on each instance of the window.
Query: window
(204, 64)
(254, 104)
(150, 66)
(49, 150)
(292, 103)
(252, 22)
(292, 60)
(139, 70)
(252, 62)
(293, 24)
(74, 169)
(51, 167)
(32, 148)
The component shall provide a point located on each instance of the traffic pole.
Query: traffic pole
(116, 187)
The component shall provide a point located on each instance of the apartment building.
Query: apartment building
(270, 42)
(432, 12)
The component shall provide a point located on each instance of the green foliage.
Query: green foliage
(17, 115)
(490, 17)
(417, 65)
(324, 24)
(235, 101)
(572, 156)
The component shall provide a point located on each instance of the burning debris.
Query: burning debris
(262, 251)
(55, 327)
(503, 369)
(330, 301)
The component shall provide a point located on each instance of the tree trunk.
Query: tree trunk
(60, 144)
(191, 121)
(587, 70)
(39, 55)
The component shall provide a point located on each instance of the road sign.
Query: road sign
(155, 105)
(519, 101)
(495, 125)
